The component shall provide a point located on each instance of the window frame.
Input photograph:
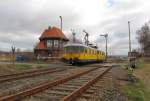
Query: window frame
(56, 43)
(49, 43)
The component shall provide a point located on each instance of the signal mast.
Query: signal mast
(86, 38)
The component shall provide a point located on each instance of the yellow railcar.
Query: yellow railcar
(79, 53)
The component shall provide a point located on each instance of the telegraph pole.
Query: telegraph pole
(131, 57)
(106, 38)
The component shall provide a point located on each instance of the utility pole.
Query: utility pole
(60, 22)
(129, 37)
(131, 57)
(106, 38)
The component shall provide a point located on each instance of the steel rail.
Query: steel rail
(78, 92)
(29, 75)
(25, 72)
(44, 86)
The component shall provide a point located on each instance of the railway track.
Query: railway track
(27, 74)
(22, 84)
(65, 88)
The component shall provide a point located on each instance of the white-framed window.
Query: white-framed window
(56, 43)
(49, 43)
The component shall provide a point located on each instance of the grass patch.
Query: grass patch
(23, 66)
(41, 62)
(140, 63)
(136, 91)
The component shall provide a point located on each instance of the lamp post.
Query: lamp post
(106, 38)
(61, 40)
(129, 39)
(60, 22)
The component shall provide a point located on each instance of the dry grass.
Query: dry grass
(9, 68)
(6, 68)
(140, 89)
(143, 73)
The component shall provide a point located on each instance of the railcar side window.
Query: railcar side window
(74, 49)
(81, 49)
(89, 51)
(85, 50)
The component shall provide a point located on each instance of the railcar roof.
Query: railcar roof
(77, 44)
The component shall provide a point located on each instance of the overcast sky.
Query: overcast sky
(23, 21)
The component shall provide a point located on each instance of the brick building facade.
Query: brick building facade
(51, 43)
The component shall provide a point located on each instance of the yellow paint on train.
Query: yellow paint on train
(84, 53)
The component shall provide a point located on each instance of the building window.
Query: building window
(56, 43)
(49, 43)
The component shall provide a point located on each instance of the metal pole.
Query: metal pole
(61, 40)
(129, 37)
(73, 34)
(86, 37)
(60, 22)
(106, 38)
(106, 45)
(13, 55)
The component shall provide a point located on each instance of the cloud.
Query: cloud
(23, 21)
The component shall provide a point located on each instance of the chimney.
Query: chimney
(49, 27)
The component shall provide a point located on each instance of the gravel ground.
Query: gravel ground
(109, 89)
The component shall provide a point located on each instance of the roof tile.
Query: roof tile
(40, 45)
(53, 32)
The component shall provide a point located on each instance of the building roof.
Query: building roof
(53, 32)
(40, 45)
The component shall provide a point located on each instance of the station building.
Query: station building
(51, 44)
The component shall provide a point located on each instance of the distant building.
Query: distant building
(51, 43)
(5, 56)
(24, 56)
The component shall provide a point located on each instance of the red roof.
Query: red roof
(53, 32)
(40, 45)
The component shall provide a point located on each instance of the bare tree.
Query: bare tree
(13, 55)
(143, 36)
